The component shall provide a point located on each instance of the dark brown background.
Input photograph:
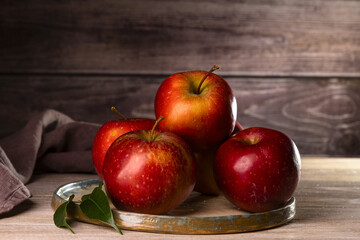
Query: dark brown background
(293, 65)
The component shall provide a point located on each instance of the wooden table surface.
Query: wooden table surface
(328, 207)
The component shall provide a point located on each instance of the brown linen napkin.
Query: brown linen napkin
(51, 141)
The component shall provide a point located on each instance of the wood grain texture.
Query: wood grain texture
(256, 38)
(327, 208)
(321, 115)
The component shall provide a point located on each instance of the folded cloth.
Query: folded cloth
(50, 141)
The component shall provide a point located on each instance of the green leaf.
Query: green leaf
(61, 213)
(84, 197)
(96, 207)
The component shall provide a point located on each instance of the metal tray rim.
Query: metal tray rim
(172, 224)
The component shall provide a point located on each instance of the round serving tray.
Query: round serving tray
(199, 214)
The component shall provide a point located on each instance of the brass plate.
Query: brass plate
(199, 214)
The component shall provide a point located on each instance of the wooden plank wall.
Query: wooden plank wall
(293, 65)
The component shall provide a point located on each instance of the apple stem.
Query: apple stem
(118, 113)
(153, 129)
(215, 67)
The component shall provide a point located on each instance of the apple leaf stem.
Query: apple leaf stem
(151, 137)
(215, 67)
(118, 113)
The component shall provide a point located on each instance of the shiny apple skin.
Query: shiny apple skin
(258, 169)
(109, 132)
(204, 120)
(149, 177)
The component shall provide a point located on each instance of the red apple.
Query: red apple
(258, 169)
(109, 132)
(198, 106)
(205, 181)
(149, 171)
(204, 160)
